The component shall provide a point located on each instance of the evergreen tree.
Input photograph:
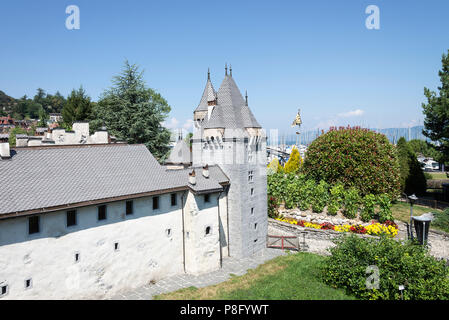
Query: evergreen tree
(294, 162)
(412, 177)
(78, 107)
(133, 112)
(436, 111)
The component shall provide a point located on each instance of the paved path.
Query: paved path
(230, 266)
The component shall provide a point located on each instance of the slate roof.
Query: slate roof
(45, 177)
(180, 154)
(209, 94)
(231, 111)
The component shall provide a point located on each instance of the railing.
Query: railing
(435, 204)
(283, 242)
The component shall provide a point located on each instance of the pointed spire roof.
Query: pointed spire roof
(209, 94)
(231, 111)
(180, 154)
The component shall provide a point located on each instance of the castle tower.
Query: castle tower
(227, 134)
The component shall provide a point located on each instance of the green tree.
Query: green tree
(436, 111)
(43, 117)
(412, 177)
(12, 135)
(294, 161)
(134, 113)
(78, 107)
(187, 139)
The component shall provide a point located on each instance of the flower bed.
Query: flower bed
(388, 228)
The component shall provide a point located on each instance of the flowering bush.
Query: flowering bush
(389, 229)
(355, 157)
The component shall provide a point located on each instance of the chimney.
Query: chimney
(206, 171)
(192, 177)
(4, 148)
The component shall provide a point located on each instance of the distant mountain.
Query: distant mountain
(393, 134)
(6, 102)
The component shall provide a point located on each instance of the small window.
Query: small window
(250, 176)
(28, 283)
(174, 199)
(71, 218)
(33, 224)
(129, 207)
(77, 257)
(155, 203)
(3, 290)
(208, 230)
(252, 191)
(102, 212)
(168, 232)
(255, 226)
(116, 246)
(207, 198)
(252, 210)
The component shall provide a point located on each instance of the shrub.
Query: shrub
(277, 186)
(274, 167)
(292, 195)
(369, 204)
(294, 162)
(336, 199)
(423, 276)
(355, 157)
(351, 203)
(320, 196)
(385, 208)
(272, 208)
(306, 194)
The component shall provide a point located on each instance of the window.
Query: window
(252, 191)
(77, 257)
(33, 224)
(250, 176)
(3, 290)
(102, 212)
(208, 230)
(71, 218)
(129, 207)
(252, 210)
(207, 198)
(116, 246)
(168, 232)
(173, 199)
(28, 283)
(155, 203)
(255, 226)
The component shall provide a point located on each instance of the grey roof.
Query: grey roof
(180, 154)
(209, 94)
(45, 177)
(231, 110)
(213, 183)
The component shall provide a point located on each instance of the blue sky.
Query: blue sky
(314, 55)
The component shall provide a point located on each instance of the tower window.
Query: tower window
(252, 191)
(155, 203)
(116, 246)
(208, 231)
(77, 257)
(129, 207)
(28, 283)
(33, 225)
(250, 175)
(173, 199)
(102, 212)
(3, 290)
(207, 197)
(252, 210)
(71, 218)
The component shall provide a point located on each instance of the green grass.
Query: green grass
(292, 277)
(401, 212)
(437, 175)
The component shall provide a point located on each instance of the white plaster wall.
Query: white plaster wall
(202, 251)
(145, 251)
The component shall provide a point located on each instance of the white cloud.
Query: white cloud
(171, 124)
(188, 124)
(353, 113)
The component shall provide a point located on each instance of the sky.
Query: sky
(318, 56)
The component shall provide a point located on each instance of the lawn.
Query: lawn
(401, 212)
(437, 175)
(292, 277)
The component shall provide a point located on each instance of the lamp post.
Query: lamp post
(412, 200)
